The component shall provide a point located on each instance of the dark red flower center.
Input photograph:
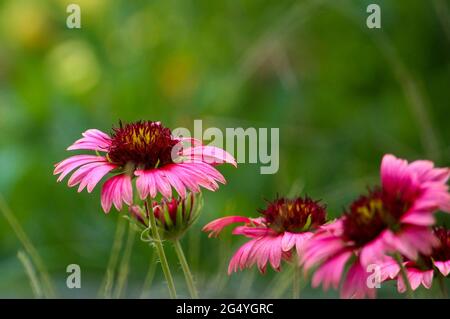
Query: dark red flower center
(370, 214)
(144, 144)
(294, 215)
(442, 253)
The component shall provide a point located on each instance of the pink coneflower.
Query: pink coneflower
(286, 223)
(146, 151)
(422, 270)
(394, 218)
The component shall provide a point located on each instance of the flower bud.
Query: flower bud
(173, 216)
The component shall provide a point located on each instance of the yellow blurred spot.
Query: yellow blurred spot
(26, 23)
(73, 67)
(178, 78)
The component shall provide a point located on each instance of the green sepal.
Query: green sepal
(167, 219)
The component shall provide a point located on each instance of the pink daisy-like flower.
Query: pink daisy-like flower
(286, 224)
(147, 151)
(393, 218)
(421, 271)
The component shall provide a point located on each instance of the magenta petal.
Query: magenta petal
(389, 269)
(301, 241)
(443, 266)
(240, 259)
(145, 183)
(318, 249)
(106, 194)
(92, 139)
(261, 252)
(375, 251)
(66, 166)
(355, 285)
(330, 272)
(419, 218)
(288, 241)
(416, 277)
(94, 175)
(162, 184)
(175, 182)
(116, 190)
(209, 154)
(253, 232)
(216, 226)
(275, 252)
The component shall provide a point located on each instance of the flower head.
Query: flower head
(148, 152)
(144, 145)
(287, 224)
(173, 216)
(421, 271)
(395, 217)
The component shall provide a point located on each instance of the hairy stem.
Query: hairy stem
(125, 263)
(404, 275)
(108, 281)
(296, 282)
(442, 285)
(160, 250)
(48, 289)
(31, 273)
(186, 270)
(149, 276)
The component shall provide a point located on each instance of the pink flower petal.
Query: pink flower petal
(209, 154)
(216, 226)
(145, 183)
(116, 190)
(162, 184)
(92, 139)
(324, 244)
(288, 241)
(301, 240)
(240, 259)
(89, 175)
(355, 284)
(175, 181)
(416, 277)
(330, 272)
(275, 252)
(443, 266)
(389, 269)
(66, 166)
(419, 218)
(253, 232)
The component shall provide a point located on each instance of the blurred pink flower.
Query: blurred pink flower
(421, 271)
(286, 224)
(394, 218)
(146, 151)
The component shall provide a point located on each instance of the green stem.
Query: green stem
(108, 281)
(31, 273)
(125, 263)
(160, 251)
(186, 270)
(404, 275)
(296, 282)
(29, 248)
(149, 276)
(442, 285)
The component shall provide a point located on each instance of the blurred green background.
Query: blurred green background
(341, 94)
